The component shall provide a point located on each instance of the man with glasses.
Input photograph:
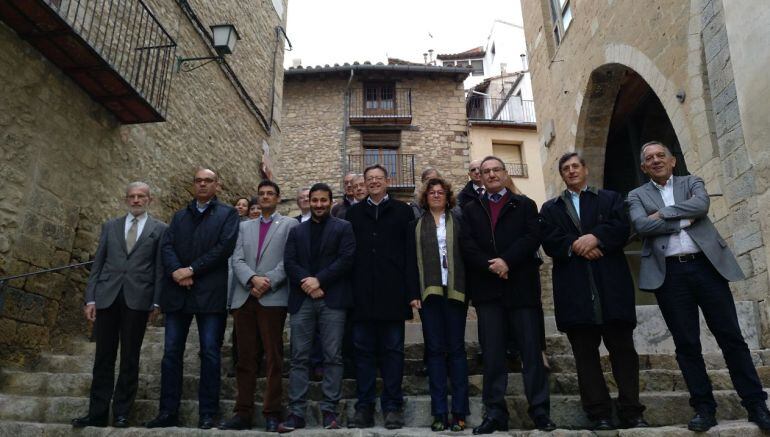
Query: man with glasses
(380, 304)
(196, 248)
(499, 241)
(474, 188)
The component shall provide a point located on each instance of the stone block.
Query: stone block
(23, 307)
(32, 336)
(7, 331)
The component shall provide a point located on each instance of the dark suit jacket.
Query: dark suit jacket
(515, 239)
(203, 241)
(138, 273)
(601, 214)
(337, 251)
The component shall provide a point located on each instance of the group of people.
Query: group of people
(350, 274)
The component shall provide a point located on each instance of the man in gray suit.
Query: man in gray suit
(123, 291)
(687, 264)
(258, 301)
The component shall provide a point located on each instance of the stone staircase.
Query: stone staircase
(42, 400)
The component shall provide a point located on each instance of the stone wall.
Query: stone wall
(676, 47)
(317, 136)
(66, 160)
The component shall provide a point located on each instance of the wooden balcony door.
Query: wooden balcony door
(379, 99)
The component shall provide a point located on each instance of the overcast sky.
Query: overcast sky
(339, 31)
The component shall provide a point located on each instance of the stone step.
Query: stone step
(663, 409)
(11, 428)
(78, 384)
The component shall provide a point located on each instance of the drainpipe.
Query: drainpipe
(345, 118)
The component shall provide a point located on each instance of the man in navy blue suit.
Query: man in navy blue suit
(317, 259)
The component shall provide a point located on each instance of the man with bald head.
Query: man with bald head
(474, 188)
(339, 209)
(196, 248)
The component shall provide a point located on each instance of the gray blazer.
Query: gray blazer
(244, 262)
(139, 273)
(691, 202)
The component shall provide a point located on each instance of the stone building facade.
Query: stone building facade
(611, 75)
(343, 118)
(66, 158)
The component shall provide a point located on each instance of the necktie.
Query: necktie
(131, 236)
(480, 191)
(495, 197)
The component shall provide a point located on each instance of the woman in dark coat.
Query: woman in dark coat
(437, 289)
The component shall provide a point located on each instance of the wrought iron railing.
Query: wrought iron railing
(128, 36)
(4, 280)
(380, 104)
(400, 166)
(516, 169)
(511, 110)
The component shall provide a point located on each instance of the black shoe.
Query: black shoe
(638, 422)
(394, 420)
(164, 420)
(490, 425)
(760, 416)
(544, 423)
(207, 421)
(120, 422)
(271, 423)
(82, 422)
(236, 423)
(364, 418)
(602, 425)
(702, 422)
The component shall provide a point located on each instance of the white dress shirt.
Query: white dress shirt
(679, 243)
(304, 217)
(142, 219)
(442, 249)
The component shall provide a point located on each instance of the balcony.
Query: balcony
(513, 110)
(117, 51)
(516, 169)
(400, 166)
(380, 106)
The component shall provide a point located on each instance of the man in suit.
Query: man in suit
(474, 188)
(123, 291)
(499, 241)
(303, 203)
(584, 231)
(687, 264)
(338, 210)
(196, 248)
(258, 302)
(318, 257)
(381, 304)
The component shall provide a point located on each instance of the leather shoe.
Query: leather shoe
(702, 422)
(490, 425)
(236, 423)
(82, 422)
(271, 423)
(120, 422)
(760, 416)
(602, 425)
(163, 420)
(544, 423)
(637, 422)
(206, 421)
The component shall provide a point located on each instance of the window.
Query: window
(379, 99)
(477, 67)
(561, 17)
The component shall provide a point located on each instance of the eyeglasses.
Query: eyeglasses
(493, 170)
(473, 170)
(436, 193)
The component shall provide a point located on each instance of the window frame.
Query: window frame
(561, 9)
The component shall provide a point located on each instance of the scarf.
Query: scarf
(429, 259)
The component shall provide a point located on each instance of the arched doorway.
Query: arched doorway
(620, 113)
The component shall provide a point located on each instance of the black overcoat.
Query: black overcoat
(203, 241)
(601, 214)
(379, 271)
(515, 239)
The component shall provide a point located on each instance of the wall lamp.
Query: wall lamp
(225, 37)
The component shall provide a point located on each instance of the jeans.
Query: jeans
(314, 316)
(443, 327)
(211, 330)
(379, 342)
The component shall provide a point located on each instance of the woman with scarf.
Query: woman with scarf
(437, 290)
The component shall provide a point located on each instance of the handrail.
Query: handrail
(4, 280)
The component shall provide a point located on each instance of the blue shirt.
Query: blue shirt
(575, 197)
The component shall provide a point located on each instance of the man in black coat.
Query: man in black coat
(380, 299)
(500, 238)
(585, 230)
(318, 258)
(474, 188)
(196, 247)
